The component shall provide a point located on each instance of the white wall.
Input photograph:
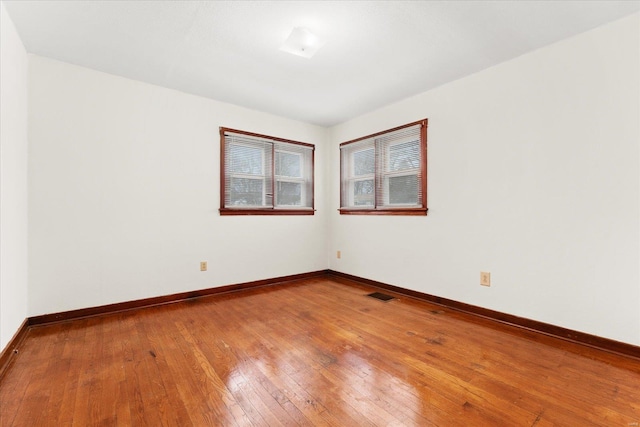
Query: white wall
(13, 179)
(124, 193)
(533, 176)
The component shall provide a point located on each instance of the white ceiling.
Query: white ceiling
(376, 52)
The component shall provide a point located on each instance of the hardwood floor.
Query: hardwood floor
(317, 352)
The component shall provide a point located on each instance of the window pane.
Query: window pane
(403, 190)
(245, 159)
(385, 172)
(246, 192)
(262, 175)
(363, 192)
(364, 162)
(288, 164)
(404, 156)
(289, 193)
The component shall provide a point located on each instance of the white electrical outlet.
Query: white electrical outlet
(485, 278)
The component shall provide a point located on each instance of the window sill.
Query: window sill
(398, 211)
(224, 212)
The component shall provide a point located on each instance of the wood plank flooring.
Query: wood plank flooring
(316, 352)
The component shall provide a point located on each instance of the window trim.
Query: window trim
(379, 177)
(275, 210)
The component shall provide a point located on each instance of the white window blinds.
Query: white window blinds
(264, 173)
(385, 171)
(248, 176)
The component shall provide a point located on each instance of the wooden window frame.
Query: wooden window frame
(379, 177)
(275, 210)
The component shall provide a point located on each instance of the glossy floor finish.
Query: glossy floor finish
(313, 353)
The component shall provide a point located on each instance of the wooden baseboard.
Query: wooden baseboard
(165, 299)
(11, 350)
(582, 338)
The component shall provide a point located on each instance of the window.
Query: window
(385, 173)
(263, 175)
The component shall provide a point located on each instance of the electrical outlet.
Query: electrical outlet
(203, 266)
(485, 278)
(338, 254)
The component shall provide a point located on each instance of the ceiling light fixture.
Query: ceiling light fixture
(302, 42)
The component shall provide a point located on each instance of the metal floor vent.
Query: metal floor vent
(381, 296)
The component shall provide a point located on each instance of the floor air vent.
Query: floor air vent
(381, 296)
